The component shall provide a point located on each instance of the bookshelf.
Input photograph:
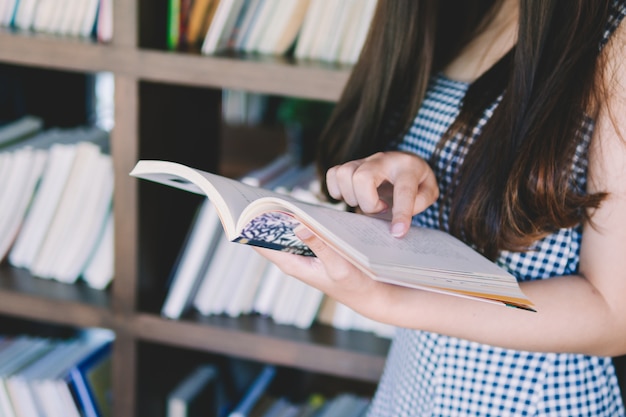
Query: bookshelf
(167, 105)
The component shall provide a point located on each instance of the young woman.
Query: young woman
(501, 122)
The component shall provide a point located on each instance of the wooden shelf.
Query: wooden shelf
(263, 75)
(25, 296)
(322, 349)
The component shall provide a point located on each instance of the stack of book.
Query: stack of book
(56, 377)
(203, 392)
(212, 277)
(56, 188)
(321, 30)
(74, 18)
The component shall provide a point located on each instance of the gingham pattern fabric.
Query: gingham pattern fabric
(428, 374)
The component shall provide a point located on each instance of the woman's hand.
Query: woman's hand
(398, 180)
(330, 273)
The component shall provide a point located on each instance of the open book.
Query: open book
(425, 258)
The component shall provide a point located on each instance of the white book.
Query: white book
(215, 274)
(232, 277)
(344, 317)
(309, 306)
(241, 299)
(25, 14)
(310, 25)
(44, 15)
(98, 13)
(9, 363)
(69, 208)
(60, 9)
(361, 36)
(272, 281)
(99, 270)
(357, 15)
(345, 14)
(42, 389)
(6, 162)
(261, 24)
(88, 222)
(221, 26)
(43, 207)
(25, 402)
(326, 31)
(9, 12)
(5, 6)
(19, 130)
(198, 250)
(247, 22)
(288, 301)
(50, 387)
(74, 8)
(291, 29)
(27, 168)
(104, 23)
(266, 44)
(76, 19)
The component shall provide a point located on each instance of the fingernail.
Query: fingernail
(397, 229)
(302, 232)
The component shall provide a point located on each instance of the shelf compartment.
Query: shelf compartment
(174, 363)
(71, 54)
(28, 297)
(267, 75)
(348, 354)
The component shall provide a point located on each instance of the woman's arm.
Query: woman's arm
(585, 313)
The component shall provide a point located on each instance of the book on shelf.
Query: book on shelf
(426, 259)
(98, 272)
(173, 24)
(200, 18)
(104, 22)
(192, 262)
(197, 394)
(219, 32)
(35, 373)
(89, 380)
(286, 22)
(261, 23)
(17, 130)
(243, 30)
(255, 392)
(47, 190)
(76, 18)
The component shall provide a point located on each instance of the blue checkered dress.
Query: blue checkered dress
(429, 374)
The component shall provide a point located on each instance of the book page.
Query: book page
(424, 258)
(229, 196)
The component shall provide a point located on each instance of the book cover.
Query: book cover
(255, 392)
(90, 382)
(425, 258)
(196, 253)
(198, 394)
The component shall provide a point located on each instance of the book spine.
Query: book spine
(256, 390)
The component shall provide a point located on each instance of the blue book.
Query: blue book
(255, 391)
(90, 382)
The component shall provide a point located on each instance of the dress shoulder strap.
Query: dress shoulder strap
(617, 12)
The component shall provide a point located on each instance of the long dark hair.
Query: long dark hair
(515, 184)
